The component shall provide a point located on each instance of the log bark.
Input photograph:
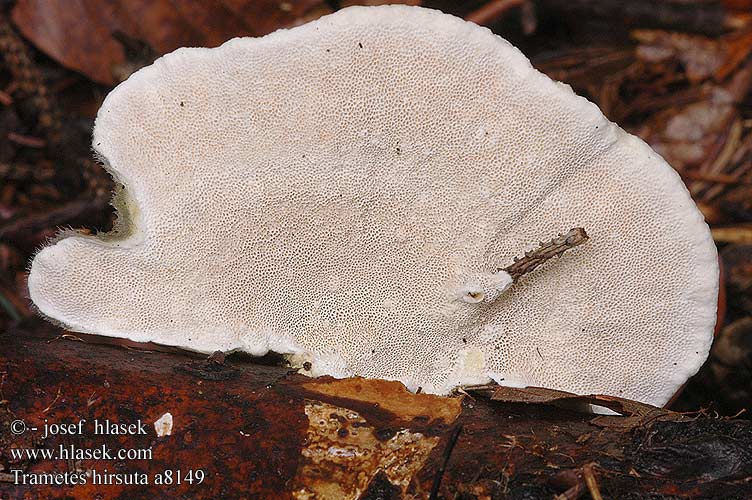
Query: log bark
(256, 431)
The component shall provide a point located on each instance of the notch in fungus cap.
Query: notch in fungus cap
(349, 192)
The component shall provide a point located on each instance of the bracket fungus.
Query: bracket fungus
(352, 193)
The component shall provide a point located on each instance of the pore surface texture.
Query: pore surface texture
(334, 190)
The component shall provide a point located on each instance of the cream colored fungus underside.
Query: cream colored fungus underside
(333, 190)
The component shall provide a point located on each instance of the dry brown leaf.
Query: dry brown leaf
(98, 51)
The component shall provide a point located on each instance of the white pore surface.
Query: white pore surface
(346, 190)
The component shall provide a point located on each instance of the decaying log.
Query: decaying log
(255, 431)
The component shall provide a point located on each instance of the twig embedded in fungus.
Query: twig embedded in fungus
(546, 251)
